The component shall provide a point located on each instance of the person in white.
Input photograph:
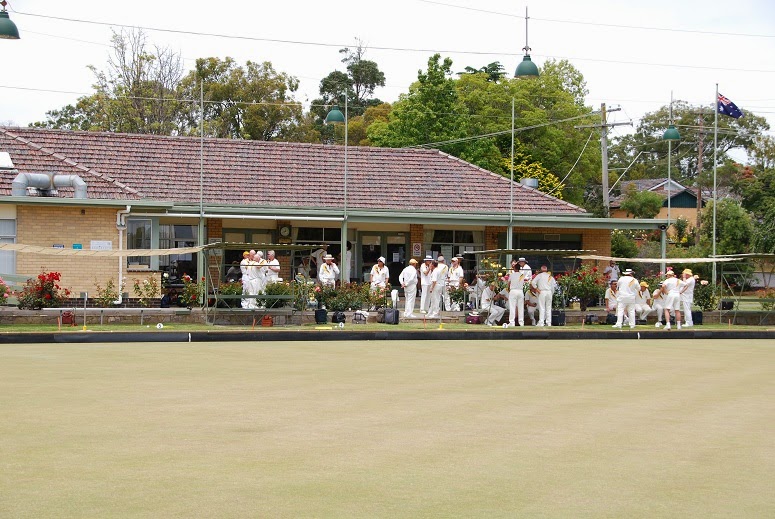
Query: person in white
(642, 299)
(611, 272)
(671, 287)
(408, 280)
(317, 257)
(489, 296)
(527, 272)
(476, 288)
(443, 275)
(260, 264)
(346, 262)
(531, 301)
(454, 279)
(516, 284)
(379, 275)
(328, 272)
(243, 266)
(434, 292)
(425, 284)
(658, 301)
(253, 274)
(625, 299)
(542, 284)
(610, 297)
(272, 270)
(687, 296)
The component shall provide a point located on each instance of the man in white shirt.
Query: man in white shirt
(408, 280)
(642, 298)
(671, 287)
(434, 292)
(454, 277)
(542, 283)
(658, 301)
(254, 279)
(516, 285)
(489, 296)
(687, 296)
(525, 269)
(531, 301)
(425, 282)
(379, 275)
(243, 266)
(611, 294)
(611, 272)
(272, 270)
(260, 268)
(328, 272)
(317, 257)
(625, 300)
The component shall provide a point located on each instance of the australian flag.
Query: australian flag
(727, 107)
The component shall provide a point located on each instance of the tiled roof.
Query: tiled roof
(258, 173)
(657, 185)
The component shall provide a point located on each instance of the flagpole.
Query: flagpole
(715, 165)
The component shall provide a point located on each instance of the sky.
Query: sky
(632, 54)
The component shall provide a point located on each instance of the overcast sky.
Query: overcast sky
(632, 54)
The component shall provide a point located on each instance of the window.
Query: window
(175, 236)
(8, 235)
(138, 236)
(450, 243)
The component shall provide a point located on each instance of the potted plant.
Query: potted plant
(705, 298)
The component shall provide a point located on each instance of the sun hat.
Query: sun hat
(687, 271)
(669, 273)
(413, 261)
(522, 259)
(456, 260)
(644, 284)
(628, 271)
(328, 257)
(381, 258)
(428, 257)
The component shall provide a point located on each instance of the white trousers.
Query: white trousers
(531, 312)
(435, 303)
(424, 299)
(644, 310)
(660, 310)
(517, 307)
(545, 308)
(495, 314)
(687, 312)
(445, 297)
(410, 294)
(623, 308)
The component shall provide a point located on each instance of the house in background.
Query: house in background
(683, 200)
(123, 191)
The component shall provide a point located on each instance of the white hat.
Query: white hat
(428, 257)
(522, 259)
(328, 257)
(628, 271)
(382, 259)
(455, 259)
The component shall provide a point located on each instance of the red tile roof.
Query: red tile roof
(259, 173)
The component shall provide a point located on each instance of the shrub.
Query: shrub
(146, 290)
(766, 293)
(276, 289)
(586, 284)
(43, 291)
(192, 292)
(108, 295)
(4, 291)
(705, 297)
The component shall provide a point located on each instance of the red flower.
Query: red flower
(47, 296)
(594, 269)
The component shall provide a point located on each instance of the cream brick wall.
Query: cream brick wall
(46, 226)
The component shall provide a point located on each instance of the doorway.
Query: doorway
(391, 245)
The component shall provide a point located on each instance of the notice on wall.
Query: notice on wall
(101, 245)
(416, 249)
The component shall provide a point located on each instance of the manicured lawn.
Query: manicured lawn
(619, 428)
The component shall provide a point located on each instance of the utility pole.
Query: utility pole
(700, 146)
(604, 125)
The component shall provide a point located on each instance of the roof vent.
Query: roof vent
(529, 182)
(5, 160)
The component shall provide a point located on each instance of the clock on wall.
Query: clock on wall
(285, 231)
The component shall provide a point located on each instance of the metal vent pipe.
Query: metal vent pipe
(47, 182)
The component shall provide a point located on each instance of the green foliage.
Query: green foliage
(681, 227)
(192, 292)
(586, 284)
(43, 291)
(276, 289)
(705, 296)
(494, 71)
(642, 204)
(146, 290)
(4, 291)
(623, 244)
(107, 295)
(734, 227)
(547, 182)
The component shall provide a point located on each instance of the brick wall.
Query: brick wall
(214, 230)
(416, 235)
(47, 226)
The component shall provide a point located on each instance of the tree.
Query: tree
(494, 71)
(252, 102)
(547, 182)
(623, 244)
(734, 227)
(642, 204)
(137, 93)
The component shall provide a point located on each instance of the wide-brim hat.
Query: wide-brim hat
(628, 271)
(382, 259)
(428, 258)
(328, 257)
(413, 261)
(687, 271)
(522, 259)
(669, 273)
(456, 260)
(644, 284)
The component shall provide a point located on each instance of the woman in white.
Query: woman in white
(272, 270)
(671, 287)
(542, 283)
(687, 296)
(243, 266)
(434, 292)
(254, 278)
(642, 301)
(408, 280)
(379, 275)
(425, 282)
(260, 275)
(455, 277)
(328, 272)
(516, 295)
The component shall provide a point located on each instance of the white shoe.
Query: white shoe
(488, 323)
(540, 324)
(678, 326)
(667, 326)
(412, 316)
(688, 325)
(658, 325)
(617, 326)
